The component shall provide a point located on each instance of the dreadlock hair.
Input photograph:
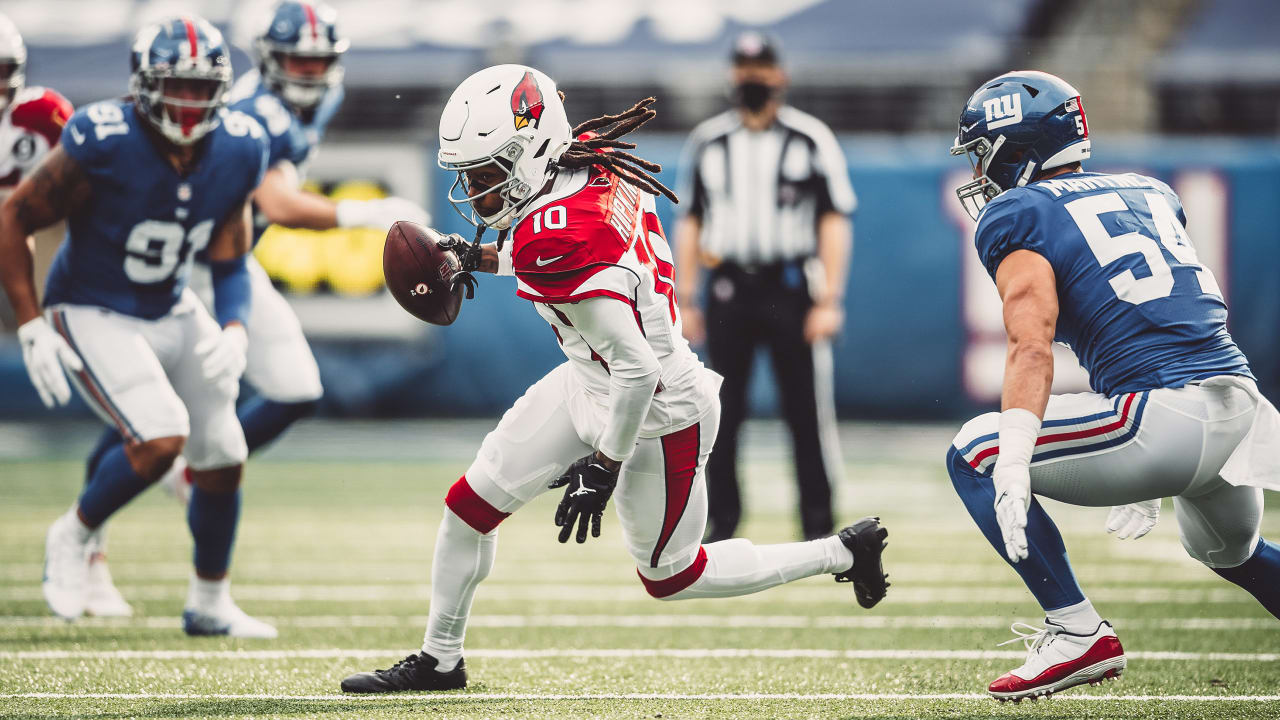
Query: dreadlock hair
(606, 150)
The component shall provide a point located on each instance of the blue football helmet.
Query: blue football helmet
(301, 29)
(1014, 127)
(181, 73)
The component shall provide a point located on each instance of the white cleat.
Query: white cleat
(1057, 660)
(104, 600)
(177, 481)
(227, 620)
(66, 566)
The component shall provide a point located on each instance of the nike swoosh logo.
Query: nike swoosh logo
(75, 135)
(543, 263)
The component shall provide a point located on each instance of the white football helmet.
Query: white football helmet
(13, 54)
(511, 116)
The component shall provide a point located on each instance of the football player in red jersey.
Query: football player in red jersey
(31, 120)
(632, 414)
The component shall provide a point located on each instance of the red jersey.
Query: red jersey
(595, 236)
(29, 128)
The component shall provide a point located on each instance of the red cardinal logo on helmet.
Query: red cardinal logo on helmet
(526, 102)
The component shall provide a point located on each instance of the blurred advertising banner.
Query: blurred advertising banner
(923, 336)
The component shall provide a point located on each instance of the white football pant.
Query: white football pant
(1173, 442)
(143, 378)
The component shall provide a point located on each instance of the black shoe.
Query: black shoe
(416, 672)
(866, 539)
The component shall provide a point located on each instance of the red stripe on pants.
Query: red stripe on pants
(681, 580)
(473, 509)
(680, 452)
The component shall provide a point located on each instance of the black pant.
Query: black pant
(747, 308)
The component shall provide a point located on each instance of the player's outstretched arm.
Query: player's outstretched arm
(1030, 296)
(609, 327)
(1029, 292)
(283, 202)
(280, 199)
(224, 355)
(57, 188)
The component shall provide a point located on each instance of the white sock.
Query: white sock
(206, 595)
(737, 567)
(463, 558)
(1079, 619)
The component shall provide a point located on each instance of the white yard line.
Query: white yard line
(809, 592)
(471, 697)
(614, 653)
(1151, 570)
(860, 622)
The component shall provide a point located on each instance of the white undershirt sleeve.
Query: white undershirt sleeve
(609, 327)
(505, 266)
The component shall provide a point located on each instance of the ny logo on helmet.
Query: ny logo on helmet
(1003, 110)
(526, 102)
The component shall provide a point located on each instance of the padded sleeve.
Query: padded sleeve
(610, 328)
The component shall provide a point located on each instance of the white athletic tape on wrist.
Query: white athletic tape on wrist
(1019, 429)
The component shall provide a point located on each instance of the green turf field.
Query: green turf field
(337, 553)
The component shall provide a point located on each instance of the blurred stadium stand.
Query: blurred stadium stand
(890, 77)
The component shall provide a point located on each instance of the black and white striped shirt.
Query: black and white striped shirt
(759, 194)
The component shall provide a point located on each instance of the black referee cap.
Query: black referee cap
(755, 46)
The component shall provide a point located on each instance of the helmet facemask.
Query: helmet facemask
(182, 104)
(515, 193)
(303, 91)
(976, 194)
(13, 75)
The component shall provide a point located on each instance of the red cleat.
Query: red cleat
(1057, 660)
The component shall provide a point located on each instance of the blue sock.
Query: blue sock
(109, 439)
(263, 420)
(1260, 575)
(112, 486)
(212, 518)
(1046, 570)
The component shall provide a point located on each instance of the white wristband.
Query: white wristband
(349, 213)
(505, 265)
(1019, 429)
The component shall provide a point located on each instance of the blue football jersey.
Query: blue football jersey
(290, 137)
(1134, 303)
(130, 247)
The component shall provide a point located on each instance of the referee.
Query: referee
(769, 218)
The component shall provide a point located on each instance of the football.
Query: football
(419, 272)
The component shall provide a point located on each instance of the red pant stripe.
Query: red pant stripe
(680, 452)
(473, 509)
(681, 580)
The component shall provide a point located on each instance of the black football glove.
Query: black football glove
(587, 484)
(469, 256)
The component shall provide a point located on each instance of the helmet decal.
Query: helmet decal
(526, 102)
(1003, 110)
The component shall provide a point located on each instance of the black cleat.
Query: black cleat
(866, 539)
(416, 672)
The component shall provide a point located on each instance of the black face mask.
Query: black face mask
(752, 95)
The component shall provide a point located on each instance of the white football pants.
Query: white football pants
(1172, 442)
